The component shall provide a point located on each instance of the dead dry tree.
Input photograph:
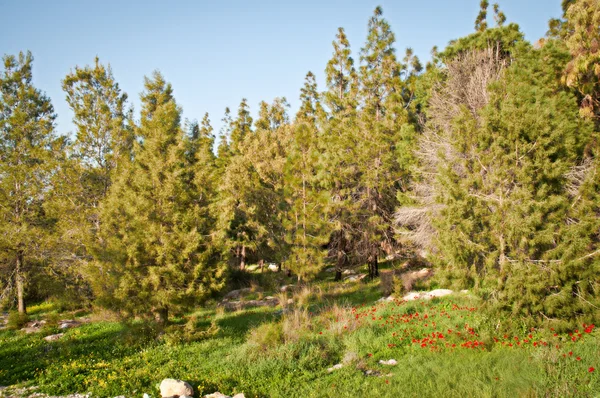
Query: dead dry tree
(465, 87)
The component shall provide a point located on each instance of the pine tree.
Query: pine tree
(582, 38)
(103, 141)
(305, 220)
(237, 216)
(498, 172)
(481, 21)
(160, 256)
(341, 77)
(241, 127)
(339, 149)
(386, 137)
(29, 150)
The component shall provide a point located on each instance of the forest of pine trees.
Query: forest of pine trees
(485, 163)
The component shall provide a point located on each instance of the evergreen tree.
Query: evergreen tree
(237, 227)
(481, 21)
(339, 149)
(241, 127)
(342, 80)
(500, 183)
(102, 142)
(582, 37)
(28, 153)
(160, 257)
(386, 136)
(305, 220)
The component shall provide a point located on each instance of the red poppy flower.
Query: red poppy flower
(591, 369)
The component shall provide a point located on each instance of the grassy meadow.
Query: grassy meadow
(447, 346)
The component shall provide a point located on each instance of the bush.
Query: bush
(17, 320)
(266, 336)
(189, 333)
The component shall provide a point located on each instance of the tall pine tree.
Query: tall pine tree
(28, 153)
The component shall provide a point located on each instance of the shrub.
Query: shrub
(267, 335)
(17, 320)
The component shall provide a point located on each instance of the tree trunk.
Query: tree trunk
(162, 315)
(373, 266)
(338, 275)
(243, 258)
(261, 263)
(340, 259)
(19, 283)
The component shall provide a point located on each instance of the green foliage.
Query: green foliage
(582, 38)
(505, 199)
(29, 153)
(95, 358)
(16, 320)
(159, 253)
(266, 336)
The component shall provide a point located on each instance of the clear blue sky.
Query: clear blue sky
(217, 52)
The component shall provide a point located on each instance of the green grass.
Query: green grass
(433, 342)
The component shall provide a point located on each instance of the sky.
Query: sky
(217, 52)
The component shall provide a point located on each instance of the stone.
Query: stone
(273, 267)
(220, 395)
(330, 269)
(427, 295)
(389, 362)
(68, 323)
(173, 387)
(286, 288)
(54, 337)
(240, 305)
(355, 278)
(335, 367)
(236, 294)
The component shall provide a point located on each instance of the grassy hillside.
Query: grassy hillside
(443, 347)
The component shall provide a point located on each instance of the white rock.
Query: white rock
(273, 267)
(426, 295)
(330, 269)
(335, 367)
(216, 395)
(145, 396)
(390, 362)
(439, 293)
(287, 288)
(54, 337)
(220, 395)
(171, 387)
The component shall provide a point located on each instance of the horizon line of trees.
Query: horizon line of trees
(484, 162)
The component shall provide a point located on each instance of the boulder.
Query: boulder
(355, 278)
(273, 267)
(68, 323)
(175, 388)
(389, 362)
(54, 337)
(240, 305)
(236, 294)
(287, 288)
(335, 367)
(427, 295)
(33, 327)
